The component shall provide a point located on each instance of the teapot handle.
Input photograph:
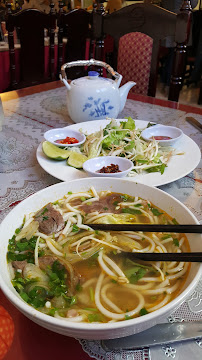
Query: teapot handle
(90, 62)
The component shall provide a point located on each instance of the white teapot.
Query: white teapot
(93, 97)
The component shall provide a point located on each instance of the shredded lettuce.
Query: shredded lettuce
(124, 139)
(113, 139)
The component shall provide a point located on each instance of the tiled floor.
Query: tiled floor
(188, 95)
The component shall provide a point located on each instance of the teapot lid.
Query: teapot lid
(93, 79)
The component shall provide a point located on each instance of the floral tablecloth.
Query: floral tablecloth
(25, 121)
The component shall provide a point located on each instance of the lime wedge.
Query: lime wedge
(76, 160)
(54, 152)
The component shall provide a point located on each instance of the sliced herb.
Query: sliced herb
(131, 211)
(174, 221)
(141, 161)
(70, 300)
(92, 294)
(78, 287)
(130, 146)
(42, 213)
(45, 218)
(124, 197)
(135, 271)
(156, 212)
(75, 228)
(166, 237)
(143, 311)
(134, 274)
(176, 242)
(159, 168)
(127, 317)
(94, 318)
(17, 230)
(52, 311)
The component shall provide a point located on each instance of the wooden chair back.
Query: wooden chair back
(153, 21)
(30, 24)
(76, 27)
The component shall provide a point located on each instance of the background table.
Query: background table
(28, 114)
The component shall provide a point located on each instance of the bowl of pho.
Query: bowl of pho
(78, 282)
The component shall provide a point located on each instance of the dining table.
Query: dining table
(25, 115)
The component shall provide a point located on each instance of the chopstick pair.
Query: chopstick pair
(188, 229)
(185, 257)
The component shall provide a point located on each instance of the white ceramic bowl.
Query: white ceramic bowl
(58, 134)
(86, 330)
(92, 166)
(162, 130)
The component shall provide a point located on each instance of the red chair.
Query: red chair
(134, 60)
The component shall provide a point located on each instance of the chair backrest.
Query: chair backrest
(153, 21)
(76, 27)
(30, 24)
(134, 60)
(113, 5)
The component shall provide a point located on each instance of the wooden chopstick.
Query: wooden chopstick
(191, 229)
(185, 257)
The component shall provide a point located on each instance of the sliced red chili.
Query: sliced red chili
(161, 137)
(67, 140)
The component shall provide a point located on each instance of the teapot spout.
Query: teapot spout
(123, 91)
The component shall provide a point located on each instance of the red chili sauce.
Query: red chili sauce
(161, 137)
(67, 140)
(109, 169)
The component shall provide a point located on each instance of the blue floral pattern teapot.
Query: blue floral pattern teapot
(93, 97)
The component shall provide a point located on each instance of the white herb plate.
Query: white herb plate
(178, 166)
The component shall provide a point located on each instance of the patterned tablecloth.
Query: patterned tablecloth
(26, 119)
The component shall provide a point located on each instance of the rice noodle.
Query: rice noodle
(110, 314)
(36, 252)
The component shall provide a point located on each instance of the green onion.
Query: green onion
(91, 309)
(75, 228)
(156, 212)
(143, 311)
(176, 242)
(92, 295)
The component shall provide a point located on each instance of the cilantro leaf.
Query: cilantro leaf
(143, 311)
(131, 211)
(156, 212)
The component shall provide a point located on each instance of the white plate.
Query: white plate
(178, 166)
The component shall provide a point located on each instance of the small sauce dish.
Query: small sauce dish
(55, 135)
(95, 165)
(165, 135)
